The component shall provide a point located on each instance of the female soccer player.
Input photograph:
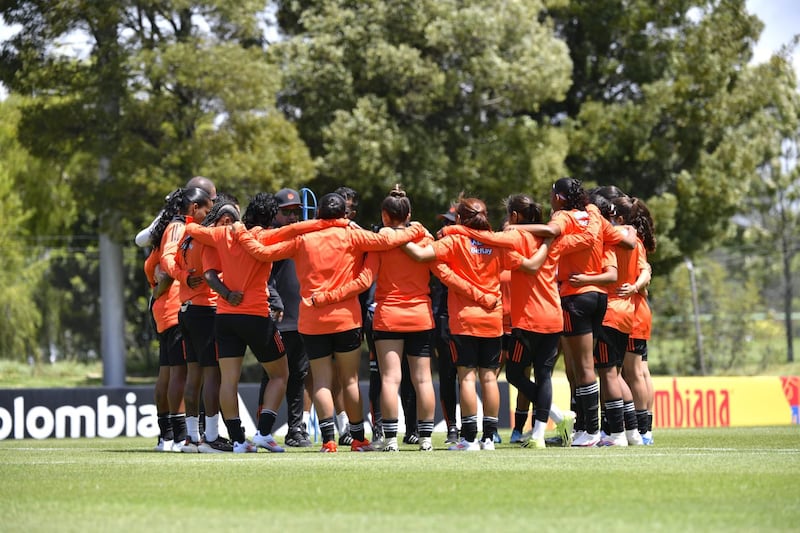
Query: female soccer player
(327, 259)
(163, 273)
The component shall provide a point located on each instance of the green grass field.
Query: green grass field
(743, 479)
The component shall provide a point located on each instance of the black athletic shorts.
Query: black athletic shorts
(235, 333)
(584, 313)
(197, 325)
(638, 347)
(540, 349)
(416, 343)
(610, 348)
(477, 352)
(319, 346)
(170, 347)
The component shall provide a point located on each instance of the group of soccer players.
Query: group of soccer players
(577, 282)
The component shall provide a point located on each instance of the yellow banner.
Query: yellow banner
(684, 402)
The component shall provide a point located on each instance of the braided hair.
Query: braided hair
(175, 207)
(225, 204)
(571, 191)
(606, 206)
(635, 212)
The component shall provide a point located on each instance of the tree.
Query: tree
(439, 96)
(152, 101)
(663, 102)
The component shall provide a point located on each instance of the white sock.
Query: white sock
(193, 428)
(556, 414)
(306, 416)
(538, 429)
(342, 422)
(212, 427)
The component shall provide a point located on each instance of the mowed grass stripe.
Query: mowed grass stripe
(742, 479)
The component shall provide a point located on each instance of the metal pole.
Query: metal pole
(696, 310)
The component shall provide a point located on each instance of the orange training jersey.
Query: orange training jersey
(402, 291)
(619, 314)
(480, 265)
(642, 317)
(327, 259)
(190, 261)
(582, 261)
(535, 302)
(242, 272)
(166, 306)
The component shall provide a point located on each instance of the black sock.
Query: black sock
(588, 398)
(469, 427)
(164, 426)
(235, 429)
(631, 421)
(489, 427)
(641, 420)
(520, 418)
(266, 420)
(390, 427)
(425, 428)
(649, 421)
(614, 412)
(327, 426)
(357, 430)
(178, 423)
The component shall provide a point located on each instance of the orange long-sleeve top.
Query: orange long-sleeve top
(327, 259)
(243, 272)
(583, 260)
(619, 313)
(642, 315)
(479, 264)
(535, 301)
(190, 263)
(166, 307)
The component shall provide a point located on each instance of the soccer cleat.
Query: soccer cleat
(487, 444)
(614, 439)
(411, 438)
(389, 445)
(218, 445)
(535, 443)
(163, 445)
(189, 447)
(267, 442)
(244, 447)
(329, 447)
(297, 438)
(452, 435)
(425, 445)
(496, 438)
(361, 446)
(633, 437)
(647, 438)
(465, 445)
(585, 440)
(177, 446)
(380, 443)
(564, 428)
(554, 442)
(516, 436)
(345, 439)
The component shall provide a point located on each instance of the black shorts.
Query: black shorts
(540, 349)
(638, 347)
(235, 333)
(319, 346)
(170, 347)
(476, 352)
(610, 348)
(197, 325)
(584, 313)
(416, 343)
